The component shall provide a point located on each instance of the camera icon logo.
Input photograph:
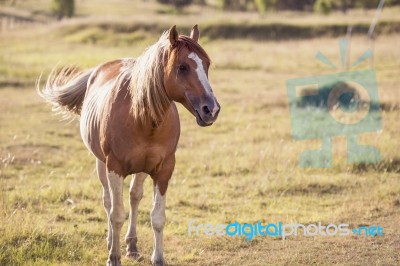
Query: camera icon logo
(339, 104)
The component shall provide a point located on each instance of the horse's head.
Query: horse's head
(186, 77)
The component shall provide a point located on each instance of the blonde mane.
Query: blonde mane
(149, 98)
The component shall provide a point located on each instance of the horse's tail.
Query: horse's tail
(65, 89)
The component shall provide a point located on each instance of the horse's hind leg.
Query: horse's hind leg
(102, 173)
(136, 194)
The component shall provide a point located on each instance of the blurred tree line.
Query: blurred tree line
(66, 8)
(59, 8)
(322, 6)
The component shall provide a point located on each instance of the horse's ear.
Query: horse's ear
(195, 33)
(173, 35)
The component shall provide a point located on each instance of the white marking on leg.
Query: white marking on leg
(157, 222)
(102, 174)
(117, 216)
(201, 74)
(136, 194)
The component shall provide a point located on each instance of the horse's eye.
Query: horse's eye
(183, 68)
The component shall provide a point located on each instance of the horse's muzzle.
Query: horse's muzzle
(207, 114)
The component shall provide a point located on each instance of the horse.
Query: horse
(130, 123)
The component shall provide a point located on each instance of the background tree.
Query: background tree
(294, 4)
(178, 4)
(323, 6)
(264, 5)
(236, 5)
(63, 8)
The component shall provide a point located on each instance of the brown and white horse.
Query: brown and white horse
(129, 121)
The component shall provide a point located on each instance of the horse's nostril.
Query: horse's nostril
(206, 110)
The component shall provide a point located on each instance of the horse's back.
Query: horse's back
(101, 89)
(108, 72)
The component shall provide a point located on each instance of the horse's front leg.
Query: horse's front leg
(102, 173)
(136, 194)
(158, 212)
(117, 216)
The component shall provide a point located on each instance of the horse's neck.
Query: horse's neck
(122, 99)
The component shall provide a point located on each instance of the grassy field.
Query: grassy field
(244, 168)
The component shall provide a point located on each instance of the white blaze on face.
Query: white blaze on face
(201, 74)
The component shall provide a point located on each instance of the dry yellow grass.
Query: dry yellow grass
(244, 168)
